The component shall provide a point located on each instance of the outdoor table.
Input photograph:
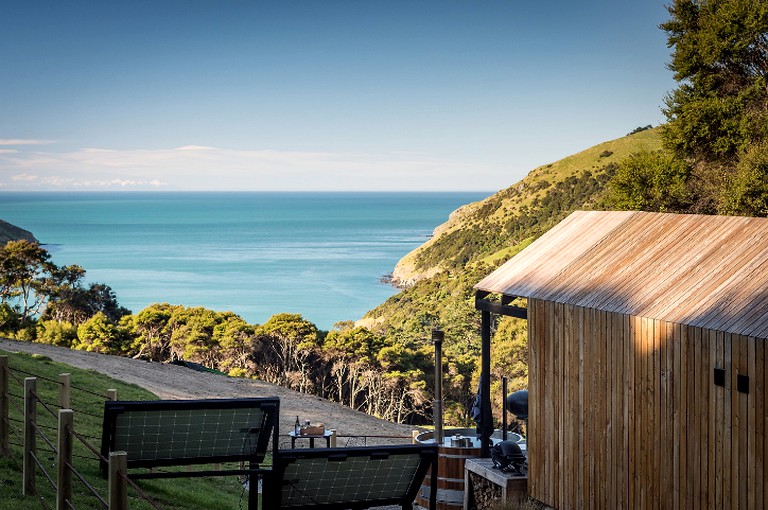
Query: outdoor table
(327, 435)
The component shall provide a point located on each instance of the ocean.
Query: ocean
(322, 255)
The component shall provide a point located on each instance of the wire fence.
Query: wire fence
(45, 446)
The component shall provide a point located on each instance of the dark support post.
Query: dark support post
(486, 418)
(253, 486)
(504, 408)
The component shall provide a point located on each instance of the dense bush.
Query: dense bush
(386, 377)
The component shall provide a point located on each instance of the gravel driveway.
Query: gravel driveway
(175, 382)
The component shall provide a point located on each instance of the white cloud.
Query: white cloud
(92, 150)
(23, 177)
(119, 183)
(196, 148)
(8, 151)
(24, 141)
(200, 168)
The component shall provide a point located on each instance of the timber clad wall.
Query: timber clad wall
(630, 313)
(625, 412)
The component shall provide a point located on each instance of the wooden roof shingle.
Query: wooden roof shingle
(706, 271)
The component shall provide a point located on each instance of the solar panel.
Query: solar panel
(177, 432)
(348, 477)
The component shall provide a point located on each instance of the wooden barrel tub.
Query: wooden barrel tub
(450, 469)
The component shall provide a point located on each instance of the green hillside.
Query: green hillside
(439, 276)
(481, 236)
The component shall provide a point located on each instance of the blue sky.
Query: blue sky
(318, 95)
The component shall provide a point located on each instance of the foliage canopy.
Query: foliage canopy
(718, 114)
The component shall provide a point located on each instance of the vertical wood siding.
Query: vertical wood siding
(624, 413)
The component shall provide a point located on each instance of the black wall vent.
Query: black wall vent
(742, 383)
(719, 377)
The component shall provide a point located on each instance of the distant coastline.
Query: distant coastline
(9, 232)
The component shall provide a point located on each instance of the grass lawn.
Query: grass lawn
(213, 493)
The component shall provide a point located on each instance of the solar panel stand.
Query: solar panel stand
(186, 432)
(253, 487)
(350, 478)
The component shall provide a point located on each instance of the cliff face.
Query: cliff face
(10, 232)
(408, 270)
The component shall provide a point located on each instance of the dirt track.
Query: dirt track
(174, 382)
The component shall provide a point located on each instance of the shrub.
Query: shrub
(60, 334)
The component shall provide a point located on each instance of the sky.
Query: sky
(318, 95)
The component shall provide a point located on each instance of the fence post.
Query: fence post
(64, 460)
(112, 394)
(5, 418)
(65, 391)
(30, 436)
(118, 484)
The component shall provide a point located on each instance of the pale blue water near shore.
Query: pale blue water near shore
(255, 254)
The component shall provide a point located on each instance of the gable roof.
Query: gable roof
(705, 271)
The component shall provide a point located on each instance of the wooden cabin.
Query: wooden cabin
(647, 340)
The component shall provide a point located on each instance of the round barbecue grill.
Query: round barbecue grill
(517, 404)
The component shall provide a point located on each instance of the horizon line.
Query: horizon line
(129, 191)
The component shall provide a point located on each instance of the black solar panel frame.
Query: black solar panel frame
(274, 481)
(267, 428)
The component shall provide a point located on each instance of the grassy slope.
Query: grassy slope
(481, 236)
(183, 493)
(508, 202)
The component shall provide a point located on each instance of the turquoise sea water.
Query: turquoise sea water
(256, 254)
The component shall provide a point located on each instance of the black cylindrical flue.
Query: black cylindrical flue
(437, 338)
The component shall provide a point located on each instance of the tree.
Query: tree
(26, 277)
(58, 333)
(192, 336)
(10, 319)
(235, 338)
(150, 331)
(718, 115)
(720, 58)
(509, 358)
(99, 334)
(286, 346)
(67, 302)
(101, 298)
(412, 366)
(650, 181)
(72, 302)
(748, 189)
(352, 357)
